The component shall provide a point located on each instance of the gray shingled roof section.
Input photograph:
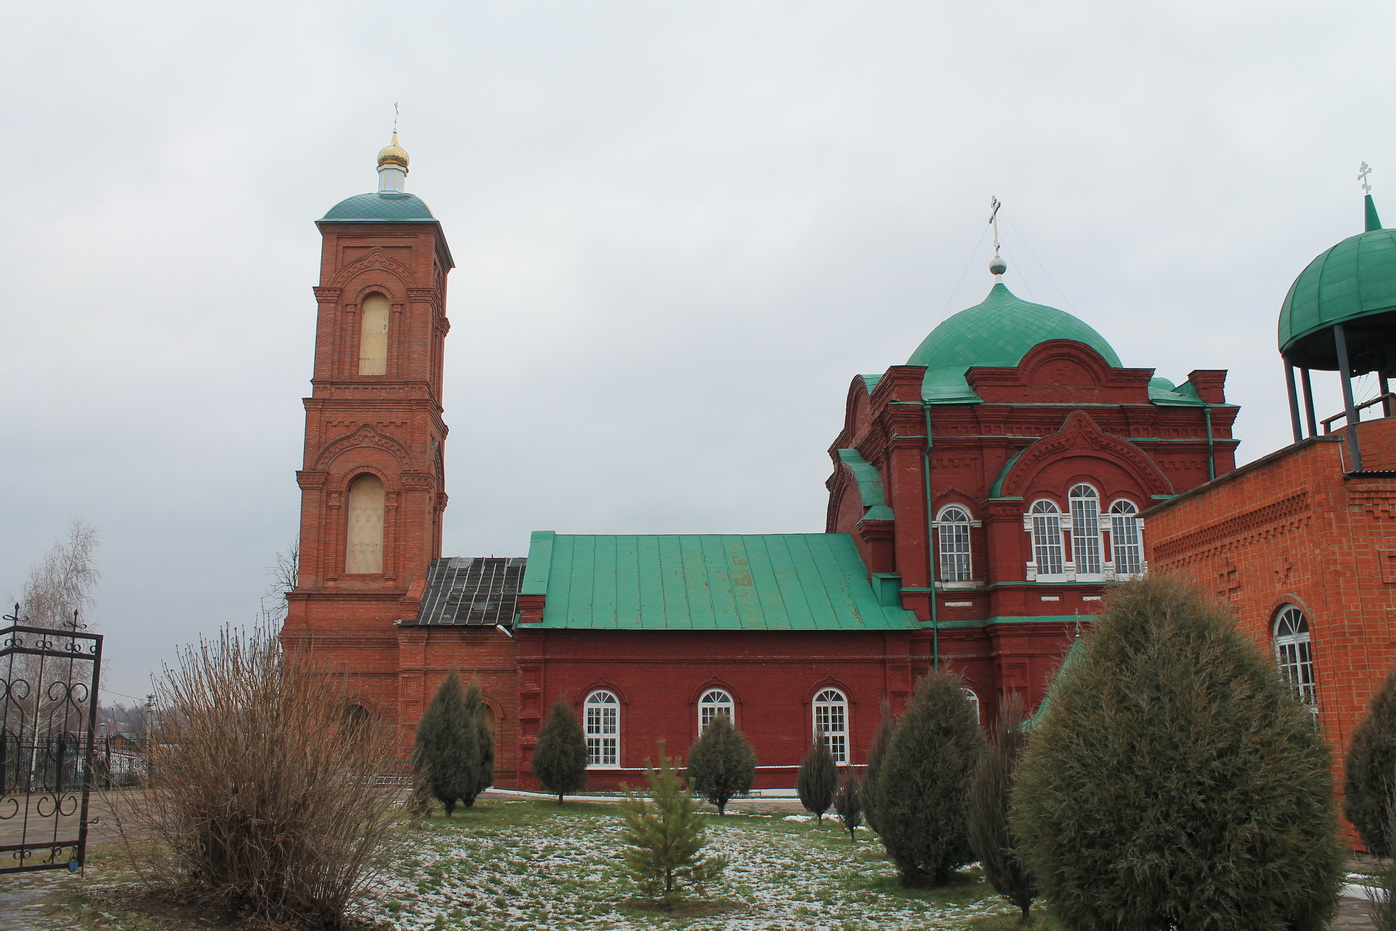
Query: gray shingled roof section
(479, 591)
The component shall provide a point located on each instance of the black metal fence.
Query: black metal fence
(48, 707)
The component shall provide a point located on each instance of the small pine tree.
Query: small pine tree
(482, 742)
(922, 791)
(560, 757)
(848, 802)
(664, 838)
(446, 745)
(721, 763)
(1174, 782)
(1370, 778)
(990, 800)
(818, 778)
(874, 770)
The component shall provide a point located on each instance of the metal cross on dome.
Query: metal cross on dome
(994, 205)
(1362, 174)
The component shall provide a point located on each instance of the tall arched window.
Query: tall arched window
(373, 336)
(973, 700)
(602, 715)
(713, 703)
(364, 550)
(1126, 539)
(952, 535)
(831, 721)
(1045, 523)
(1294, 654)
(1085, 533)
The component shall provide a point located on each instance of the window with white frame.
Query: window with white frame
(973, 700)
(1294, 654)
(952, 535)
(831, 722)
(1127, 539)
(713, 703)
(602, 715)
(1044, 521)
(1085, 533)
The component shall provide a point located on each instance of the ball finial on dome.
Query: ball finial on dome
(393, 154)
(997, 266)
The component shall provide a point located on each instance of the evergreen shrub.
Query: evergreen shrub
(664, 836)
(922, 791)
(560, 756)
(874, 770)
(1175, 782)
(990, 802)
(721, 763)
(818, 779)
(848, 802)
(1370, 774)
(446, 748)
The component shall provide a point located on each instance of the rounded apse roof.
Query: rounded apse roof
(1352, 283)
(380, 207)
(997, 331)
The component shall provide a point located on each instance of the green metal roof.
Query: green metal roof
(791, 581)
(869, 481)
(381, 208)
(1074, 655)
(998, 331)
(1354, 280)
(1164, 392)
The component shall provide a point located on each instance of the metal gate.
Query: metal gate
(48, 695)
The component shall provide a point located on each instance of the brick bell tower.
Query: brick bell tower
(372, 484)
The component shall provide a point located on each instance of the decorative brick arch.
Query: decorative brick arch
(376, 260)
(1081, 436)
(364, 437)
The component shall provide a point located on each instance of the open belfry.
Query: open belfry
(984, 496)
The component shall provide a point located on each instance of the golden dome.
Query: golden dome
(393, 154)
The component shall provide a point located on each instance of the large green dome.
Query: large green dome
(1353, 283)
(998, 331)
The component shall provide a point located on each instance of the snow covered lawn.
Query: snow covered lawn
(530, 864)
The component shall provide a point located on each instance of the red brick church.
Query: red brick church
(984, 494)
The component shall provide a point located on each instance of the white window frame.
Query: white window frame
(952, 528)
(974, 703)
(1126, 541)
(1087, 544)
(715, 701)
(830, 713)
(601, 717)
(1294, 653)
(1047, 525)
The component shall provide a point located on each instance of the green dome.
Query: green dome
(383, 207)
(1353, 283)
(998, 331)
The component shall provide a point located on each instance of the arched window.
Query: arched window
(602, 714)
(973, 700)
(373, 336)
(1044, 521)
(952, 534)
(1294, 654)
(1126, 539)
(364, 552)
(713, 703)
(1085, 533)
(831, 721)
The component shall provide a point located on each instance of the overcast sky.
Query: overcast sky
(680, 228)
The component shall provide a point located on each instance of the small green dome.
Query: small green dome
(998, 331)
(381, 207)
(1353, 283)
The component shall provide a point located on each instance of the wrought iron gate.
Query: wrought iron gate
(48, 695)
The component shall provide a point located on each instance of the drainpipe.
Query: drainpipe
(930, 542)
(1212, 444)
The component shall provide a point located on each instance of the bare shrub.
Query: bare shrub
(262, 797)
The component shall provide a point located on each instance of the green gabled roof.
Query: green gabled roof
(789, 581)
(869, 481)
(998, 331)
(380, 208)
(1074, 655)
(1352, 281)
